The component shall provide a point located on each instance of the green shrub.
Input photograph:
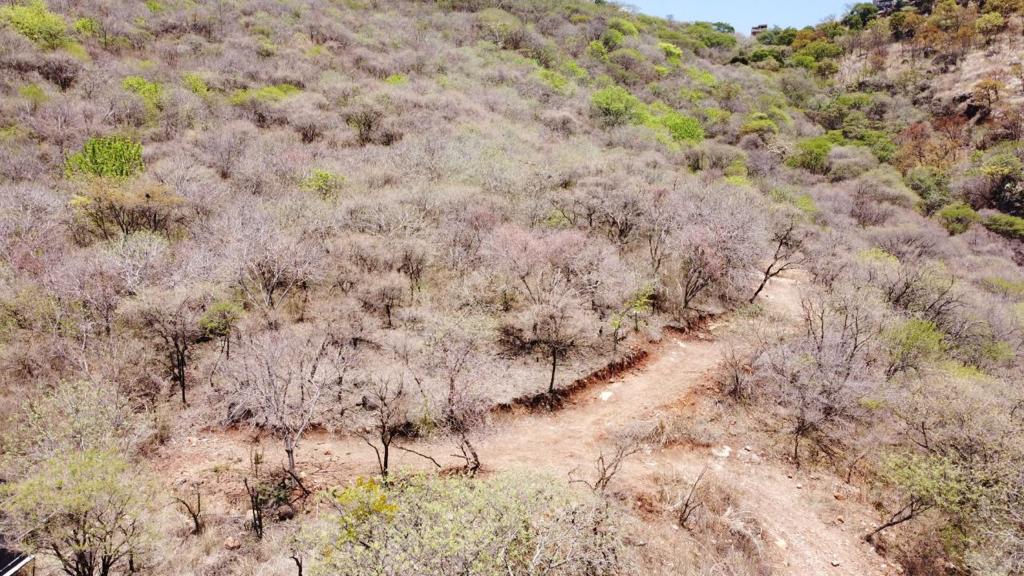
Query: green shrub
(821, 50)
(555, 81)
(1009, 288)
(802, 61)
(931, 184)
(496, 525)
(615, 105)
(397, 79)
(932, 481)
(672, 52)
(760, 124)
(710, 35)
(324, 183)
(87, 26)
(612, 39)
(107, 157)
(703, 77)
(500, 27)
(912, 344)
(1006, 225)
(219, 320)
(812, 155)
(803, 202)
(958, 217)
(35, 22)
(34, 93)
(682, 128)
(597, 50)
(151, 93)
(623, 26)
(273, 93)
(195, 84)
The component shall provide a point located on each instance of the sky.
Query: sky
(743, 14)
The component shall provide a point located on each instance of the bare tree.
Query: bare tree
(788, 241)
(555, 330)
(284, 378)
(688, 505)
(608, 464)
(818, 377)
(275, 262)
(388, 411)
(173, 317)
(450, 357)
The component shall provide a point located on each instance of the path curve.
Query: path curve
(796, 513)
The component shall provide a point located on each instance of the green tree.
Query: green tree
(926, 482)
(911, 344)
(812, 155)
(958, 217)
(860, 15)
(508, 524)
(36, 23)
(107, 157)
(88, 510)
(615, 106)
(219, 321)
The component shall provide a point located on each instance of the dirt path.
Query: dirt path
(798, 514)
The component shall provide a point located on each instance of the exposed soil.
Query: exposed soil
(811, 525)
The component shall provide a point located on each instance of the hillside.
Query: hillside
(538, 287)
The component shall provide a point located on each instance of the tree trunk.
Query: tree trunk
(554, 366)
(289, 449)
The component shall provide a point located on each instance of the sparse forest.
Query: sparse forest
(480, 287)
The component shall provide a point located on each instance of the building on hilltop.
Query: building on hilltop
(756, 30)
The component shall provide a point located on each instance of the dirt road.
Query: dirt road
(809, 530)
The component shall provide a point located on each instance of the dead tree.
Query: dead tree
(173, 318)
(194, 511)
(608, 465)
(386, 402)
(282, 379)
(687, 506)
(788, 241)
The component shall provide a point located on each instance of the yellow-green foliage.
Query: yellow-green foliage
(958, 217)
(932, 480)
(151, 93)
(83, 502)
(672, 52)
(220, 318)
(760, 123)
(360, 505)
(702, 77)
(195, 83)
(623, 26)
(556, 81)
(500, 27)
(615, 105)
(324, 183)
(107, 157)
(1009, 288)
(397, 79)
(681, 127)
(915, 339)
(35, 22)
(877, 255)
(495, 525)
(273, 93)
(87, 26)
(34, 93)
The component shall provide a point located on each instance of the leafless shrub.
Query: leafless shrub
(286, 381)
